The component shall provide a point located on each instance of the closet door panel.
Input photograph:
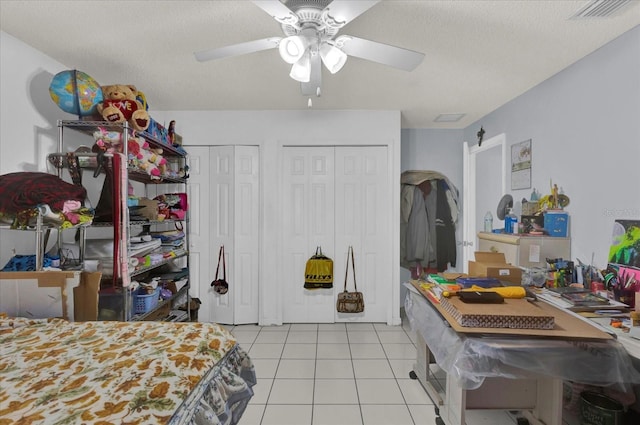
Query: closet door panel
(362, 211)
(308, 222)
(221, 214)
(199, 247)
(246, 234)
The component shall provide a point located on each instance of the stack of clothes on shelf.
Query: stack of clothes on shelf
(429, 211)
(26, 195)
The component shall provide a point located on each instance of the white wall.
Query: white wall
(28, 130)
(270, 130)
(584, 123)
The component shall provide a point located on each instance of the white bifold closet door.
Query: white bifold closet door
(224, 196)
(334, 197)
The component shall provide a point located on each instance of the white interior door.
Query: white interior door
(224, 202)
(485, 181)
(221, 217)
(199, 248)
(246, 235)
(362, 195)
(307, 222)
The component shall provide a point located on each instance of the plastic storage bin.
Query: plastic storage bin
(556, 223)
(485, 282)
(143, 302)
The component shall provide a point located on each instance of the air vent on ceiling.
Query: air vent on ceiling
(600, 9)
(449, 117)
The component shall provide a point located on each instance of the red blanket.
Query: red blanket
(23, 190)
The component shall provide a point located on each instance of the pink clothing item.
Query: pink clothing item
(72, 217)
(70, 206)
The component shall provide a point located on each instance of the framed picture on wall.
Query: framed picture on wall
(521, 165)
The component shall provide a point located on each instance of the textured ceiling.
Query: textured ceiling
(478, 54)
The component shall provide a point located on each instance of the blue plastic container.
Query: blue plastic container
(484, 282)
(556, 223)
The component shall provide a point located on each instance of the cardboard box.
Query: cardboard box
(85, 297)
(149, 208)
(493, 264)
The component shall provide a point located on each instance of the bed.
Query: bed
(57, 372)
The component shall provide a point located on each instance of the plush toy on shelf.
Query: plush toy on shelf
(120, 104)
(107, 141)
(145, 158)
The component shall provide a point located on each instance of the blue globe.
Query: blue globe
(75, 92)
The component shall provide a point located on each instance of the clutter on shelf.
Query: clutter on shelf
(540, 214)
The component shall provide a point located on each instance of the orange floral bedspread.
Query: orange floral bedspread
(56, 372)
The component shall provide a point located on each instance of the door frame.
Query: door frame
(469, 231)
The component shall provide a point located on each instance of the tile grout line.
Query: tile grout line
(355, 381)
(275, 374)
(395, 377)
(403, 397)
(315, 367)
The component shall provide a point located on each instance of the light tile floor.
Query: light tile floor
(354, 373)
(339, 374)
(334, 374)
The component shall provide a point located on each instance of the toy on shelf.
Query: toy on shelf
(107, 141)
(556, 200)
(146, 158)
(120, 104)
(75, 92)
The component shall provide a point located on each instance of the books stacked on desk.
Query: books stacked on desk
(579, 299)
(585, 299)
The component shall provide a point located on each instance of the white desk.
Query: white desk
(38, 295)
(510, 373)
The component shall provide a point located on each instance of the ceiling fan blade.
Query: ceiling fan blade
(344, 11)
(312, 88)
(238, 49)
(396, 57)
(277, 10)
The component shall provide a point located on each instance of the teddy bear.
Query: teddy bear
(120, 104)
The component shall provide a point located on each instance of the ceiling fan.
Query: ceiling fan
(311, 38)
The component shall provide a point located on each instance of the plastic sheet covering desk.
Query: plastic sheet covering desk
(463, 371)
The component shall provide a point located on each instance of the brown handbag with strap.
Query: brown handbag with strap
(350, 302)
(221, 286)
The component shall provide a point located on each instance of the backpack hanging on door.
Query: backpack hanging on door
(319, 271)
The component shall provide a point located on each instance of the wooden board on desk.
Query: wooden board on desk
(512, 313)
(566, 325)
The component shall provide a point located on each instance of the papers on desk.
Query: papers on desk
(557, 300)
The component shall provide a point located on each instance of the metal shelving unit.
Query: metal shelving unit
(122, 276)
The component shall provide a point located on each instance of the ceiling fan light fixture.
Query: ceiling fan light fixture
(301, 70)
(332, 57)
(292, 48)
